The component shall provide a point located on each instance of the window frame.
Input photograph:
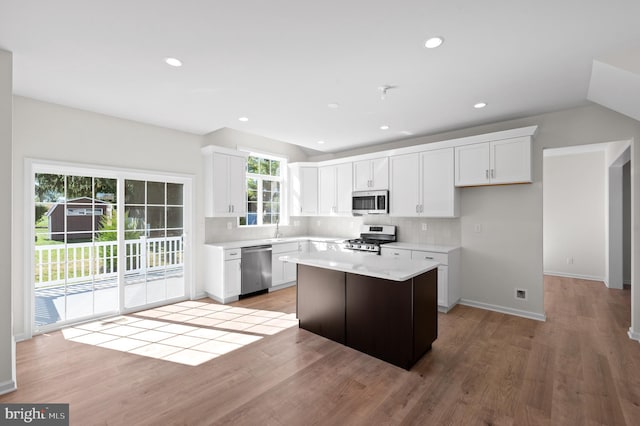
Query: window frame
(260, 178)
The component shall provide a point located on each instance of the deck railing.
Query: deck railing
(78, 262)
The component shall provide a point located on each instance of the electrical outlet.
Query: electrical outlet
(229, 225)
(424, 226)
(477, 228)
(569, 260)
(296, 223)
(521, 294)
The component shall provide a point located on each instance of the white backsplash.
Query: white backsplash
(409, 230)
(343, 227)
(217, 230)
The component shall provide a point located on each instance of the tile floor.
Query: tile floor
(188, 332)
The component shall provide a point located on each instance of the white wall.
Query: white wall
(47, 131)
(626, 222)
(7, 342)
(574, 215)
(507, 254)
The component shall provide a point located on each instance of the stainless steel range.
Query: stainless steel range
(372, 237)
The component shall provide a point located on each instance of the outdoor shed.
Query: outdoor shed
(83, 217)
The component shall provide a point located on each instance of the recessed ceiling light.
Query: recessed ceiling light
(384, 127)
(480, 105)
(174, 62)
(433, 42)
(320, 142)
(333, 105)
(243, 119)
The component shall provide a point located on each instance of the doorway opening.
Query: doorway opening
(587, 212)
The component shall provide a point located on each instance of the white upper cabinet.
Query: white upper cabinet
(334, 190)
(225, 182)
(371, 174)
(440, 197)
(422, 185)
(303, 190)
(493, 163)
(404, 191)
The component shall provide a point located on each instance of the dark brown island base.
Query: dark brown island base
(395, 321)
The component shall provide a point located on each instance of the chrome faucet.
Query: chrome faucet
(278, 229)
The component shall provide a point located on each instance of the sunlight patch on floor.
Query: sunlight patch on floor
(189, 333)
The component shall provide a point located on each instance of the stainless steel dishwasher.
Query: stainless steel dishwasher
(256, 269)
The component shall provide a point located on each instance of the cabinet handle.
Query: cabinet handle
(428, 257)
(486, 174)
(421, 208)
(417, 208)
(493, 173)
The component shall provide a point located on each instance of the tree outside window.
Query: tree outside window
(264, 184)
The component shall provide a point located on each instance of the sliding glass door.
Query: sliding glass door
(153, 242)
(97, 253)
(75, 265)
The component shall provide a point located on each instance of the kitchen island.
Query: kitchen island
(384, 307)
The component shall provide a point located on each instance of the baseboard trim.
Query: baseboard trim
(633, 335)
(7, 386)
(21, 337)
(225, 300)
(578, 276)
(504, 310)
(202, 295)
(281, 286)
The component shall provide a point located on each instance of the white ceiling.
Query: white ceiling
(281, 62)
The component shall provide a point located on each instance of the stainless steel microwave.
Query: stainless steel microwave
(370, 202)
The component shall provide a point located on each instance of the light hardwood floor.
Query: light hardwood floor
(577, 368)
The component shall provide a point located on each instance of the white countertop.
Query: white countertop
(271, 241)
(423, 247)
(364, 264)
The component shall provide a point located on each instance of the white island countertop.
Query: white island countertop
(364, 264)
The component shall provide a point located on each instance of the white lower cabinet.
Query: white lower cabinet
(284, 274)
(232, 278)
(395, 253)
(222, 281)
(448, 271)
